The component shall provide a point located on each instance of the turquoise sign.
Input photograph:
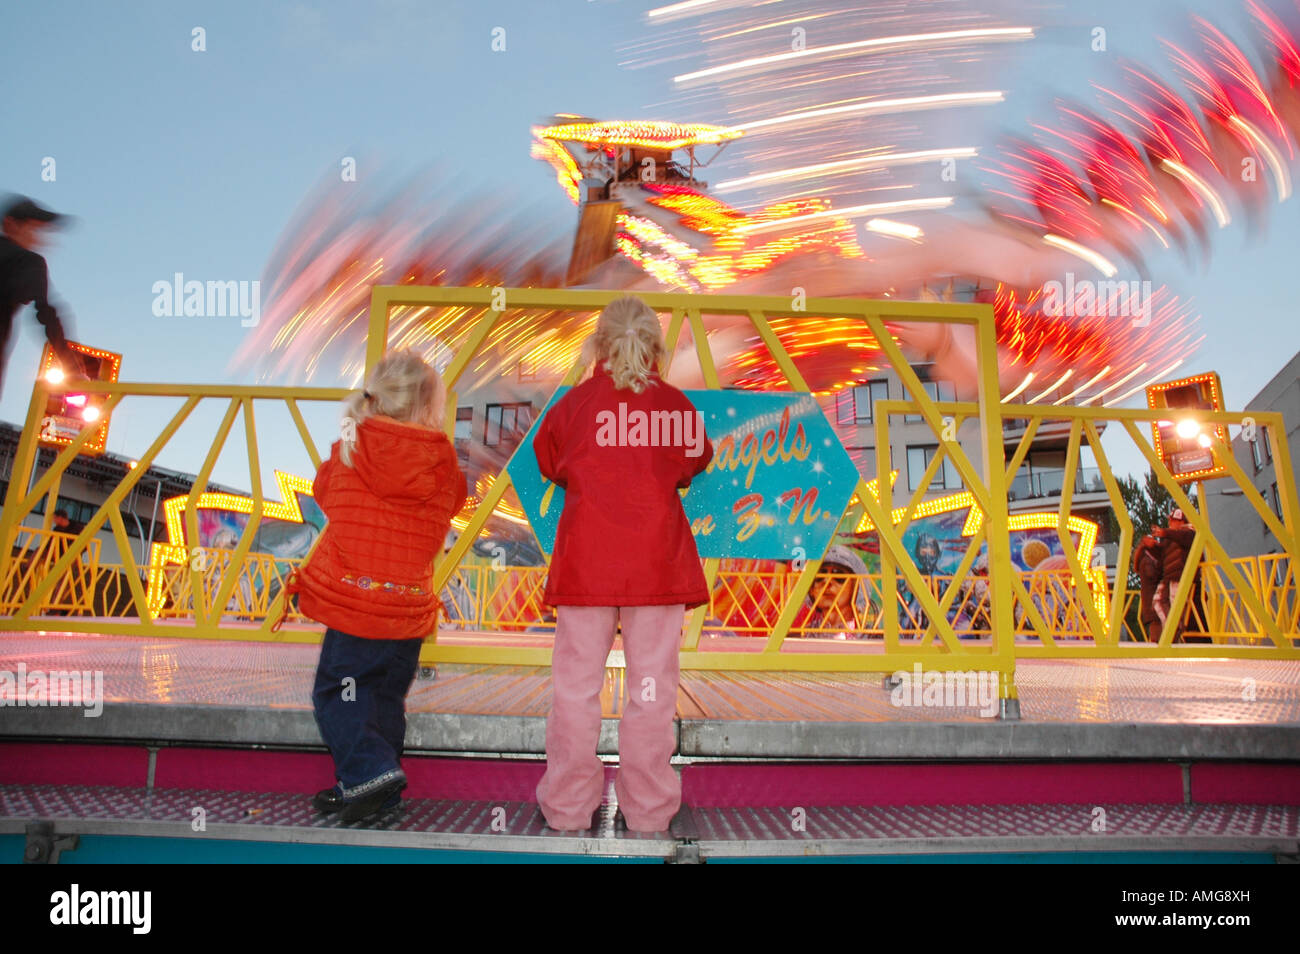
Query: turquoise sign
(776, 487)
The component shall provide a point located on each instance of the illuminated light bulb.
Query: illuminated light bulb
(76, 400)
(132, 465)
(90, 414)
(1204, 440)
(1187, 428)
(54, 375)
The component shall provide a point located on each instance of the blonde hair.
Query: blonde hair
(628, 341)
(401, 386)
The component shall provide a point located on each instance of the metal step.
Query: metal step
(212, 692)
(696, 834)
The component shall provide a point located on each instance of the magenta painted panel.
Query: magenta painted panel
(46, 763)
(1246, 783)
(932, 784)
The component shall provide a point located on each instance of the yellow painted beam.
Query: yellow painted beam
(1264, 596)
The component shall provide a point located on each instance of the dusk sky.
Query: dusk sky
(175, 160)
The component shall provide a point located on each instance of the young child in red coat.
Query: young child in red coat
(389, 488)
(621, 444)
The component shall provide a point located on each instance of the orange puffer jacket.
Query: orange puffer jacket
(371, 574)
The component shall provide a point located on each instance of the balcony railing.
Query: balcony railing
(1050, 483)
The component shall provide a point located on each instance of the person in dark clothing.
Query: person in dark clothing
(1149, 566)
(65, 524)
(1176, 540)
(24, 278)
(62, 523)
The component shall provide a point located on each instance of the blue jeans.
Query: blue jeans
(363, 722)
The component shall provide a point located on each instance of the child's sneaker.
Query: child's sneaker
(381, 799)
(330, 800)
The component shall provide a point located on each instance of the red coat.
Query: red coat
(372, 571)
(1176, 543)
(623, 538)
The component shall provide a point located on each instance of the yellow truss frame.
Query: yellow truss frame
(687, 309)
(940, 649)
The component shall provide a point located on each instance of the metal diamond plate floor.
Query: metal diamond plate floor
(721, 832)
(425, 823)
(192, 672)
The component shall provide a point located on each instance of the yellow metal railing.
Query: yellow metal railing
(960, 621)
(483, 311)
(1247, 605)
(209, 586)
(258, 580)
(743, 603)
(37, 554)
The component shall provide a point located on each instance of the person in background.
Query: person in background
(1176, 540)
(1148, 564)
(60, 522)
(64, 524)
(25, 278)
(389, 488)
(624, 556)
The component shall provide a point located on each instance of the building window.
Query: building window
(506, 424)
(855, 405)
(1275, 500)
(918, 459)
(938, 391)
(864, 458)
(142, 530)
(464, 433)
(78, 511)
(865, 398)
(1268, 447)
(464, 424)
(1255, 454)
(844, 411)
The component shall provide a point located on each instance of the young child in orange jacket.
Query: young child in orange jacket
(621, 444)
(389, 488)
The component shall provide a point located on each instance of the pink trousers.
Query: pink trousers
(649, 791)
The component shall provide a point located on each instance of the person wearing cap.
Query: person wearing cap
(1177, 543)
(24, 278)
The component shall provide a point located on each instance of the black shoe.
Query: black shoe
(381, 799)
(328, 801)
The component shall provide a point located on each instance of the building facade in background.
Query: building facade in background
(87, 483)
(1237, 524)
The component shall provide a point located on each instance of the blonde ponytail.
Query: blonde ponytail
(628, 341)
(401, 386)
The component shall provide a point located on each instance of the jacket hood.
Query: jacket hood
(400, 461)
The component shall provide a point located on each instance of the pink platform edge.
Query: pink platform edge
(703, 785)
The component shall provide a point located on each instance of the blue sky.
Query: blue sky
(182, 161)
